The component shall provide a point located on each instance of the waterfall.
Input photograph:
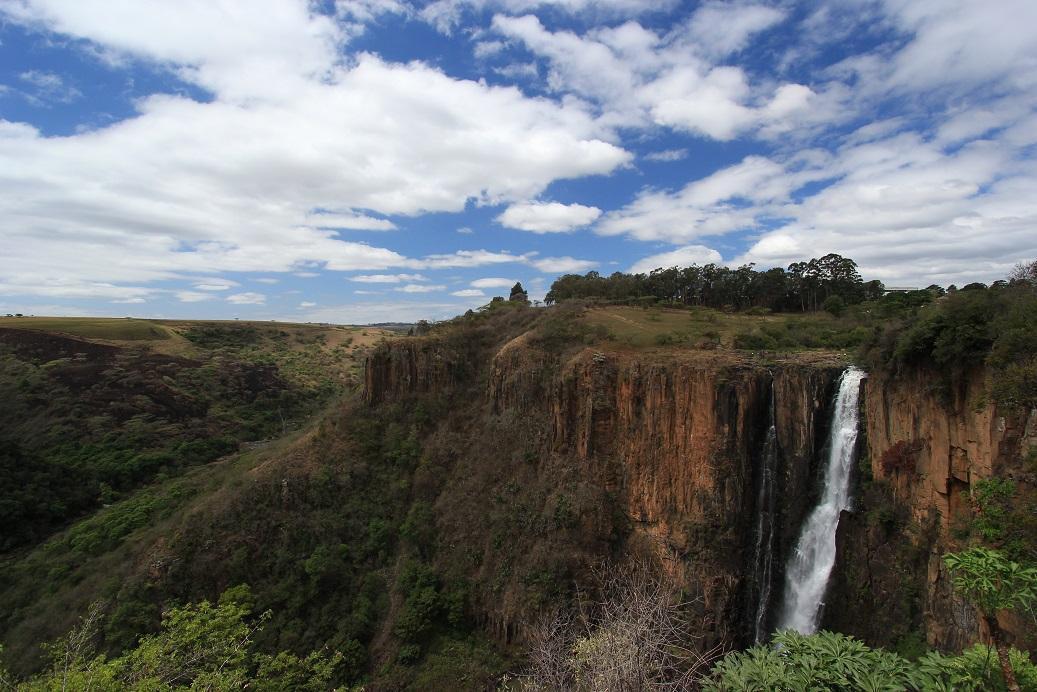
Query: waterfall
(806, 575)
(763, 550)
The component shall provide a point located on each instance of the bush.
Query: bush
(901, 456)
(834, 305)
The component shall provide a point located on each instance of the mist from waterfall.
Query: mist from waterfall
(766, 503)
(810, 564)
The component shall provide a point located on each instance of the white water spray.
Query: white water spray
(806, 576)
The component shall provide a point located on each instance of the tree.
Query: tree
(993, 583)
(200, 646)
(635, 637)
(1024, 273)
(834, 305)
(518, 294)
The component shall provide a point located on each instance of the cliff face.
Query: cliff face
(670, 441)
(671, 438)
(890, 559)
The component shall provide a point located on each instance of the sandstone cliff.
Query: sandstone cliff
(656, 452)
(890, 554)
(670, 438)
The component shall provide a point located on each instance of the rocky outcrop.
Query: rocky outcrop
(672, 435)
(891, 553)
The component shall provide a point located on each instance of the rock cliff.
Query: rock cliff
(657, 452)
(670, 437)
(890, 554)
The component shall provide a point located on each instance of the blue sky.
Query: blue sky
(376, 160)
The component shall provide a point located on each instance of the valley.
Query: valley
(413, 502)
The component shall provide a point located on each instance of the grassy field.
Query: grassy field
(107, 328)
(696, 327)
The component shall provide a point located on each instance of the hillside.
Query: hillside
(424, 522)
(99, 407)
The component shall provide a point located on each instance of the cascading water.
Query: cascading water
(763, 550)
(806, 575)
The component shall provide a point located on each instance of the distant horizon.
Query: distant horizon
(364, 161)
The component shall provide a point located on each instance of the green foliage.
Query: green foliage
(803, 286)
(991, 581)
(834, 305)
(991, 498)
(976, 669)
(88, 423)
(199, 646)
(830, 661)
(822, 661)
(996, 326)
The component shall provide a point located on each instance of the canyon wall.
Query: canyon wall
(672, 438)
(890, 563)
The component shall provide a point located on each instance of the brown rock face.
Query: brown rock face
(673, 437)
(890, 560)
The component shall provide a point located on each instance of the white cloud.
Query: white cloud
(465, 230)
(215, 284)
(486, 49)
(667, 155)
(363, 312)
(638, 77)
(722, 28)
(420, 288)
(563, 265)
(247, 298)
(681, 257)
(468, 258)
(267, 280)
(468, 293)
(307, 304)
(348, 220)
(446, 15)
(387, 278)
(730, 199)
(242, 173)
(192, 296)
(547, 217)
(493, 282)
(47, 87)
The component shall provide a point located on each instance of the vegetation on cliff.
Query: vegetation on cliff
(90, 421)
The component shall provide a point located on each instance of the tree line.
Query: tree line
(802, 287)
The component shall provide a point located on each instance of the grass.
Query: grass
(702, 327)
(108, 328)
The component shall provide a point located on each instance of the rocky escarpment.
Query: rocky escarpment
(670, 438)
(916, 505)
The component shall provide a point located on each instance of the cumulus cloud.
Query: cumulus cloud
(638, 77)
(667, 155)
(215, 284)
(731, 199)
(274, 132)
(493, 282)
(307, 304)
(547, 217)
(192, 296)
(420, 288)
(468, 293)
(563, 265)
(681, 257)
(387, 278)
(247, 298)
